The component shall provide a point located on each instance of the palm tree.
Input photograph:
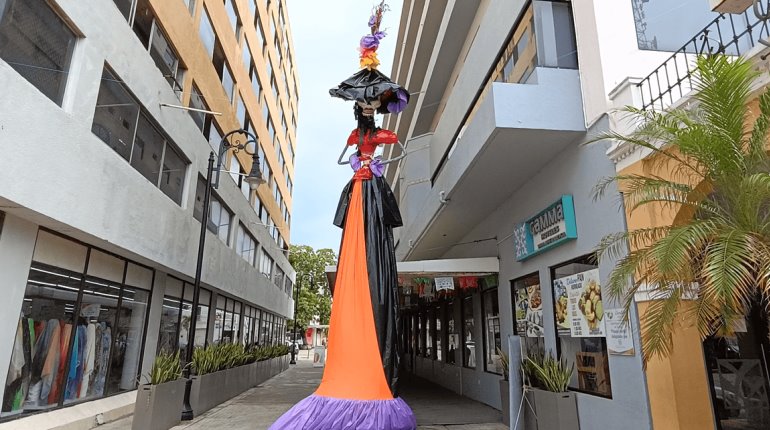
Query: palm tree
(709, 164)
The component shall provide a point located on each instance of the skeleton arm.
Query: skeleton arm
(403, 154)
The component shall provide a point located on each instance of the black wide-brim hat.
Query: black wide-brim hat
(367, 85)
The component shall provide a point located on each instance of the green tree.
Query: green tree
(314, 298)
(708, 164)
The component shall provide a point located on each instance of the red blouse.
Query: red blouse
(372, 140)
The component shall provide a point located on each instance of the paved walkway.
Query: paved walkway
(258, 408)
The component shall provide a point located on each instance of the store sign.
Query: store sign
(548, 229)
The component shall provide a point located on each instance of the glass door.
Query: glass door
(738, 373)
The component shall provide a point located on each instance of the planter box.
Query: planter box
(158, 407)
(208, 391)
(505, 401)
(556, 411)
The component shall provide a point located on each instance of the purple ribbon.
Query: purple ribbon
(376, 166)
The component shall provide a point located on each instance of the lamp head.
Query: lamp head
(254, 178)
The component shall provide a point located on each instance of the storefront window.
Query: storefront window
(201, 322)
(439, 335)
(169, 317)
(428, 315)
(528, 313)
(453, 335)
(220, 319)
(81, 329)
(469, 344)
(492, 342)
(581, 334)
(420, 334)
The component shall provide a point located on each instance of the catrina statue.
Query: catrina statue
(360, 381)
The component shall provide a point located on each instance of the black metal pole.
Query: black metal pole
(187, 412)
(294, 336)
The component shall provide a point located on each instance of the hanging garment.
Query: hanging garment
(51, 365)
(17, 368)
(43, 338)
(88, 360)
(75, 367)
(61, 371)
(97, 358)
(104, 359)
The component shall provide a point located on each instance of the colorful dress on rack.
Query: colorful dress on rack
(361, 372)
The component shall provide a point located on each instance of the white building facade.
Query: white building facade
(101, 187)
(505, 95)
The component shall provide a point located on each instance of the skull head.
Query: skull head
(368, 109)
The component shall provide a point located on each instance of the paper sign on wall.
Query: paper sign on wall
(619, 338)
(445, 284)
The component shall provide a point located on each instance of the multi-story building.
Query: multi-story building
(505, 94)
(109, 113)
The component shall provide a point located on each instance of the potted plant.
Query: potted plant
(505, 395)
(555, 405)
(159, 402)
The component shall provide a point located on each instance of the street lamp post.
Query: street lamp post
(296, 301)
(254, 179)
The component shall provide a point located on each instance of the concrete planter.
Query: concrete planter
(215, 388)
(556, 411)
(158, 407)
(505, 401)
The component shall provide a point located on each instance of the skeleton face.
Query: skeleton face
(368, 109)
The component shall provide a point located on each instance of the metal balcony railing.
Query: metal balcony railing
(730, 34)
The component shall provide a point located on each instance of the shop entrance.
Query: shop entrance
(738, 374)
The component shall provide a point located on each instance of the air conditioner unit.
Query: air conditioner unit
(730, 6)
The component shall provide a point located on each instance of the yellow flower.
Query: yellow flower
(369, 60)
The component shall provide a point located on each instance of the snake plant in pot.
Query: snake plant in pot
(549, 380)
(159, 401)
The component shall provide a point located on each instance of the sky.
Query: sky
(326, 36)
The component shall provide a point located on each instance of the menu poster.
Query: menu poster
(534, 311)
(521, 310)
(561, 304)
(619, 338)
(586, 309)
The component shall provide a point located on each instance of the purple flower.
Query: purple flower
(399, 104)
(370, 42)
(372, 20)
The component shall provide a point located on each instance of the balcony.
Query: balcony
(729, 34)
(513, 132)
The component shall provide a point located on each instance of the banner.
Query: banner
(585, 306)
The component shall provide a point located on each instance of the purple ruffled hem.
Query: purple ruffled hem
(326, 413)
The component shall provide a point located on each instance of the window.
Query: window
(246, 245)
(87, 296)
(37, 44)
(429, 334)
(228, 83)
(252, 6)
(277, 43)
(528, 313)
(168, 334)
(421, 348)
(492, 341)
(438, 318)
(261, 36)
(206, 32)
(582, 342)
(271, 129)
(246, 55)
(240, 110)
(232, 14)
(219, 215)
(265, 263)
(666, 26)
(215, 137)
(274, 87)
(279, 277)
(453, 336)
(148, 31)
(190, 6)
(255, 84)
(469, 333)
(197, 101)
(124, 126)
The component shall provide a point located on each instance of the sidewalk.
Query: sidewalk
(258, 408)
